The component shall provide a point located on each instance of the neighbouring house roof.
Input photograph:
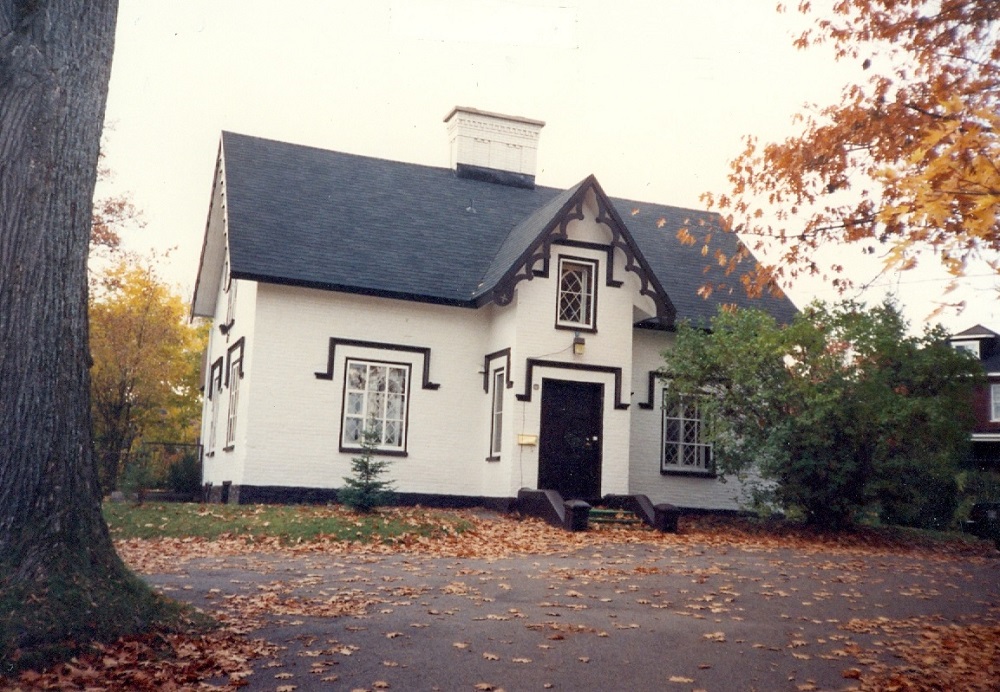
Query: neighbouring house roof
(304, 216)
(976, 332)
(989, 346)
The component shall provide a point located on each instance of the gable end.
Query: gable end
(555, 232)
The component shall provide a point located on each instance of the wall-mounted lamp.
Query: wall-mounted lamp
(579, 343)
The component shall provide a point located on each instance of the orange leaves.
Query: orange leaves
(907, 157)
(155, 661)
(939, 656)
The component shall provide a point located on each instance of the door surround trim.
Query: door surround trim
(533, 363)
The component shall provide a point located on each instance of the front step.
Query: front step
(617, 517)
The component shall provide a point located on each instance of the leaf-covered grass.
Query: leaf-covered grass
(288, 523)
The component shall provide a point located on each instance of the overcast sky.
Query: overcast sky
(653, 97)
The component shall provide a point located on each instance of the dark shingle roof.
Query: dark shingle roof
(976, 332)
(305, 216)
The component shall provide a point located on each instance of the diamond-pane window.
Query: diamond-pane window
(576, 294)
(685, 435)
(375, 398)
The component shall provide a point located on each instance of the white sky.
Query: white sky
(652, 96)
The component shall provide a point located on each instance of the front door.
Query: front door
(569, 448)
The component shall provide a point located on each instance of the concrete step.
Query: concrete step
(599, 515)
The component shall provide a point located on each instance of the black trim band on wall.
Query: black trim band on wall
(532, 363)
(609, 273)
(215, 378)
(649, 403)
(505, 352)
(237, 346)
(422, 350)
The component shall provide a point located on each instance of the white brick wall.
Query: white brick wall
(229, 465)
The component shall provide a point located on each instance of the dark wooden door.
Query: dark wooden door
(569, 448)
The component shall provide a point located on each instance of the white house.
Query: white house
(498, 335)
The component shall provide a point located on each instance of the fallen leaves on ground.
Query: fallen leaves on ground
(155, 661)
(498, 536)
(939, 655)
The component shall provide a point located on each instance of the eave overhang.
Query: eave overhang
(213, 247)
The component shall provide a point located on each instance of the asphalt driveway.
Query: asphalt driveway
(616, 616)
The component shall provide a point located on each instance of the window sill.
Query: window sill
(496, 458)
(210, 454)
(691, 474)
(376, 452)
(583, 328)
(228, 448)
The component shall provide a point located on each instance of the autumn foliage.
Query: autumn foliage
(146, 371)
(909, 159)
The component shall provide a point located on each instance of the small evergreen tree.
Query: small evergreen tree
(366, 488)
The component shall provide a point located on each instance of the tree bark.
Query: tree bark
(55, 549)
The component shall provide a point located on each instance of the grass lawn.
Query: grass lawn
(289, 523)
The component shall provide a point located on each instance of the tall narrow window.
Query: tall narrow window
(376, 397)
(231, 303)
(995, 402)
(214, 395)
(576, 294)
(235, 375)
(685, 436)
(496, 423)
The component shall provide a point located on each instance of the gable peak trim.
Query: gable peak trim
(555, 232)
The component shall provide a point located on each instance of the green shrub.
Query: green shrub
(365, 489)
(184, 476)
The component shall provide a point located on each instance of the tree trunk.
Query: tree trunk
(60, 577)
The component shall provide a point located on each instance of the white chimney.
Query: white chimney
(493, 147)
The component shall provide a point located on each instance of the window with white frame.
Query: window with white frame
(215, 396)
(376, 397)
(577, 297)
(970, 346)
(496, 422)
(235, 375)
(231, 302)
(995, 402)
(685, 435)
